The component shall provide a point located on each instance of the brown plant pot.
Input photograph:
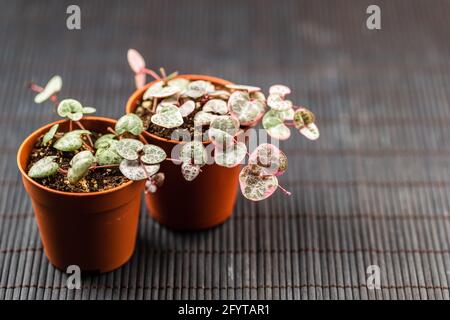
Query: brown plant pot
(182, 205)
(95, 231)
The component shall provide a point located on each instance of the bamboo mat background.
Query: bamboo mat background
(375, 189)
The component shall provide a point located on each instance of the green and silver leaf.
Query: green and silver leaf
(198, 88)
(129, 148)
(50, 134)
(189, 171)
(53, 86)
(160, 90)
(79, 166)
(168, 116)
(70, 141)
(129, 123)
(216, 106)
(232, 156)
(70, 108)
(133, 170)
(43, 168)
(153, 154)
(255, 185)
(275, 126)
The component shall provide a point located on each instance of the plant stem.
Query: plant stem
(151, 73)
(163, 73)
(88, 146)
(109, 129)
(88, 136)
(104, 166)
(145, 169)
(70, 125)
(155, 104)
(285, 191)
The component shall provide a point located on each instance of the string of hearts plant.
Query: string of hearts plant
(225, 113)
(120, 148)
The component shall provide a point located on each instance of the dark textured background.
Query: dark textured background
(373, 190)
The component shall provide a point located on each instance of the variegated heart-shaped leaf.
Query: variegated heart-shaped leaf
(79, 166)
(189, 171)
(270, 158)
(247, 111)
(216, 106)
(104, 141)
(303, 117)
(256, 186)
(71, 109)
(180, 83)
(311, 131)
(258, 95)
(70, 141)
(160, 90)
(222, 94)
(50, 134)
(231, 156)
(198, 88)
(129, 123)
(279, 89)
(133, 170)
(167, 117)
(187, 108)
(277, 102)
(172, 100)
(43, 168)
(153, 154)
(243, 87)
(53, 86)
(193, 152)
(275, 126)
(223, 129)
(106, 153)
(135, 60)
(203, 118)
(129, 148)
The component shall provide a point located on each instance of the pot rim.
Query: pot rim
(139, 92)
(32, 135)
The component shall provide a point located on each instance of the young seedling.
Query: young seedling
(223, 113)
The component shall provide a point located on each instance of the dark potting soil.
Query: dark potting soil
(96, 180)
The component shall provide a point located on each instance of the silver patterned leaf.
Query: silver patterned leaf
(88, 110)
(275, 126)
(303, 117)
(180, 83)
(133, 170)
(222, 94)
(104, 141)
(71, 109)
(255, 185)
(187, 108)
(53, 86)
(270, 158)
(129, 148)
(43, 168)
(279, 89)
(277, 102)
(153, 154)
(193, 152)
(167, 117)
(70, 141)
(160, 90)
(203, 118)
(310, 131)
(198, 88)
(246, 110)
(106, 153)
(189, 171)
(216, 106)
(50, 134)
(232, 156)
(223, 129)
(129, 123)
(79, 166)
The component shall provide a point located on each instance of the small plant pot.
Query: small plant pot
(190, 205)
(95, 231)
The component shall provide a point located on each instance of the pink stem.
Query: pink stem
(82, 127)
(151, 73)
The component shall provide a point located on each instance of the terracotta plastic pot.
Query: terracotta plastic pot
(95, 231)
(179, 204)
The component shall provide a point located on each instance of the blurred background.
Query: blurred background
(374, 190)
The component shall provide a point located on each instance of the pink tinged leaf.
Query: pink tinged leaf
(270, 158)
(189, 171)
(311, 132)
(136, 61)
(254, 185)
(187, 108)
(279, 89)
